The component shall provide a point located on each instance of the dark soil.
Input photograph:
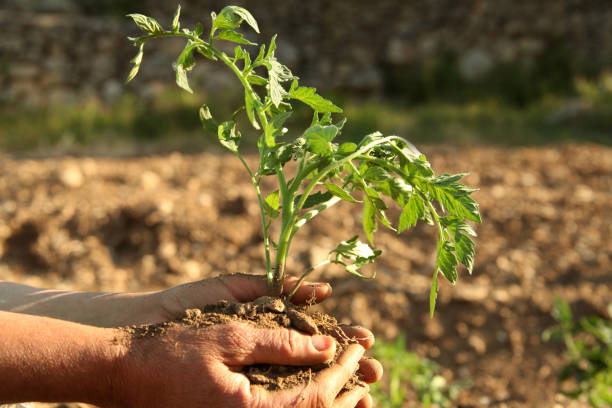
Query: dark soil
(269, 313)
(147, 223)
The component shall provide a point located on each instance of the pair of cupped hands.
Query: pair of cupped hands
(188, 368)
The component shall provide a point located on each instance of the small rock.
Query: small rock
(302, 321)
(269, 304)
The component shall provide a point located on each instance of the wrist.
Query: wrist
(50, 360)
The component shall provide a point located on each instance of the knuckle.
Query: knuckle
(235, 337)
(290, 341)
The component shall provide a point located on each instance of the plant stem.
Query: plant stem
(261, 211)
(304, 275)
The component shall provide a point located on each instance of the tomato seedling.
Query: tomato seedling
(326, 172)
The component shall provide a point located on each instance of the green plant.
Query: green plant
(326, 172)
(588, 345)
(405, 369)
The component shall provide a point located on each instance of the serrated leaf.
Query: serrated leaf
(368, 220)
(274, 128)
(146, 24)
(176, 26)
(318, 139)
(277, 73)
(455, 197)
(233, 36)
(228, 136)
(339, 192)
(447, 262)
(413, 211)
(356, 251)
(231, 17)
(464, 246)
(136, 61)
(207, 120)
(309, 96)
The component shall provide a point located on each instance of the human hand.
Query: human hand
(189, 367)
(172, 303)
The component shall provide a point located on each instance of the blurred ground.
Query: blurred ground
(117, 224)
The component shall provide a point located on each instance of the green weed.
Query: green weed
(407, 374)
(588, 342)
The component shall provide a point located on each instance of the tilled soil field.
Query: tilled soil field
(130, 224)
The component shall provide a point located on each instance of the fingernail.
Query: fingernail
(322, 343)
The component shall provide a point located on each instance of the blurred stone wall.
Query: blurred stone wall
(62, 51)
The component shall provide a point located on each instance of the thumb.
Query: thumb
(285, 347)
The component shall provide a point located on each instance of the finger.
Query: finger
(349, 399)
(245, 288)
(359, 334)
(370, 370)
(309, 292)
(365, 402)
(332, 379)
(276, 346)
(242, 287)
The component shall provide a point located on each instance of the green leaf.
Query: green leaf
(375, 174)
(447, 262)
(274, 128)
(455, 197)
(464, 246)
(198, 30)
(339, 192)
(372, 137)
(369, 220)
(257, 80)
(228, 136)
(249, 104)
(136, 61)
(146, 24)
(272, 204)
(311, 98)
(185, 63)
(233, 36)
(413, 211)
(346, 148)
(277, 73)
(356, 251)
(232, 17)
(176, 26)
(433, 294)
(319, 138)
(314, 199)
(244, 13)
(207, 120)
(206, 51)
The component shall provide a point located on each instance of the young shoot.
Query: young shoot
(327, 172)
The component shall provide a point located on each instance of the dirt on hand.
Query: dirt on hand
(131, 224)
(269, 313)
